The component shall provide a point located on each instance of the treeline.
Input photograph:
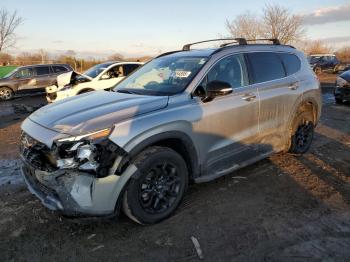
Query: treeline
(78, 64)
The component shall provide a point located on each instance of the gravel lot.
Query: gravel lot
(284, 208)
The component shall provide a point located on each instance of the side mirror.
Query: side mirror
(218, 88)
(105, 77)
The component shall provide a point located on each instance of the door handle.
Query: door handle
(294, 86)
(249, 97)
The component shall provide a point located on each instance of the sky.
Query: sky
(149, 27)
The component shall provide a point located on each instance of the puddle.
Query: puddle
(10, 172)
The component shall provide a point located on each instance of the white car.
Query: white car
(99, 77)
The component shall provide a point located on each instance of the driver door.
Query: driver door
(111, 77)
(228, 128)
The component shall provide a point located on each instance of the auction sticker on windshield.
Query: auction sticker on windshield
(182, 74)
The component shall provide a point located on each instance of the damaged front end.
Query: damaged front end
(64, 82)
(74, 176)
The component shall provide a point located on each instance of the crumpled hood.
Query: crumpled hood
(66, 78)
(94, 111)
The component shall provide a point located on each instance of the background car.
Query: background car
(322, 62)
(342, 87)
(99, 77)
(33, 78)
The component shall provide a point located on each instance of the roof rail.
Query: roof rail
(240, 41)
(274, 41)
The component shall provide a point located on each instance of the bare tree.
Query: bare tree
(116, 57)
(315, 47)
(343, 54)
(8, 25)
(278, 22)
(275, 22)
(245, 25)
(44, 55)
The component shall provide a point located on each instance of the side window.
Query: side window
(116, 71)
(266, 66)
(59, 69)
(291, 63)
(231, 69)
(129, 68)
(25, 73)
(42, 70)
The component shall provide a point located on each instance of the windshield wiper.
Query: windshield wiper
(125, 91)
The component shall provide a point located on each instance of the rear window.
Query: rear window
(42, 70)
(59, 69)
(129, 68)
(266, 66)
(291, 63)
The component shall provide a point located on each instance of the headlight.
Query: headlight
(80, 152)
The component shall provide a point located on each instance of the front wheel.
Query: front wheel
(158, 189)
(6, 93)
(302, 133)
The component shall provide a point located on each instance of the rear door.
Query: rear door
(43, 77)
(273, 75)
(229, 124)
(25, 79)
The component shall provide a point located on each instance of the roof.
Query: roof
(55, 64)
(322, 55)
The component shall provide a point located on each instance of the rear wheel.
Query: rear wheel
(303, 133)
(339, 101)
(157, 191)
(6, 93)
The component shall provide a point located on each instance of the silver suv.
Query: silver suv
(186, 116)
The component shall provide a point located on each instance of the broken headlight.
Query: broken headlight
(81, 152)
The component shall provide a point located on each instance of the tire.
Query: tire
(339, 101)
(302, 133)
(158, 189)
(6, 93)
(86, 91)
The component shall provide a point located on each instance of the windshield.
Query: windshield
(166, 75)
(314, 59)
(95, 70)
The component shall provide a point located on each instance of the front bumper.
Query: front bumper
(342, 93)
(76, 194)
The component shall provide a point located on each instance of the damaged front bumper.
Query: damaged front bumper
(77, 194)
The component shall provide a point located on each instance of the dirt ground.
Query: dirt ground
(284, 208)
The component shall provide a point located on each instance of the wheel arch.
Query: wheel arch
(176, 140)
(9, 87)
(85, 89)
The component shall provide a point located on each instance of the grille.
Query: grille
(30, 176)
(35, 153)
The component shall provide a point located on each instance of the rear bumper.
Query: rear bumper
(342, 93)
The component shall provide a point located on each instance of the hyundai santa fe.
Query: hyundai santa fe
(191, 115)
